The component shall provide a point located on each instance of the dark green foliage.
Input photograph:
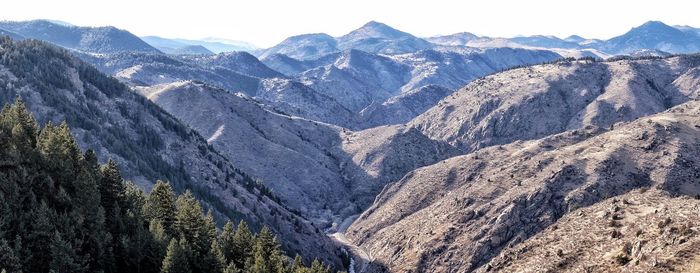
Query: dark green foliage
(64, 259)
(8, 259)
(176, 260)
(60, 211)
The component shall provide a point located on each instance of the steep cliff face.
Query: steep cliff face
(483, 204)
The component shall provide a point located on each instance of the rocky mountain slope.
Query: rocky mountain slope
(651, 232)
(240, 62)
(147, 142)
(326, 172)
(536, 101)
(333, 89)
(88, 39)
(292, 154)
(404, 107)
(364, 82)
(516, 207)
(141, 69)
(294, 98)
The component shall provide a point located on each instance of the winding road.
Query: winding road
(357, 252)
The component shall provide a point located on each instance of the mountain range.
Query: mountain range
(380, 151)
(207, 46)
(88, 39)
(147, 142)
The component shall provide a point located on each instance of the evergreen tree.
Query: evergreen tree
(87, 203)
(231, 268)
(8, 258)
(41, 233)
(218, 261)
(175, 260)
(268, 257)
(61, 155)
(192, 226)
(160, 206)
(237, 246)
(63, 257)
(20, 129)
(111, 187)
(318, 267)
(298, 265)
(63, 212)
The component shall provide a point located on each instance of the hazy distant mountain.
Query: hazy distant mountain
(212, 44)
(89, 39)
(303, 47)
(575, 39)
(373, 37)
(544, 42)
(223, 45)
(188, 50)
(689, 29)
(457, 39)
(377, 37)
(563, 47)
(653, 35)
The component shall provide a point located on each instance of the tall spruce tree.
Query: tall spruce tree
(192, 226)
(176, 260)
(160, 207)
(64, 259)
(241, 247)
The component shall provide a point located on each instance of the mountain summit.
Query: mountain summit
(375, 37)
(654, 35)
(374, 29)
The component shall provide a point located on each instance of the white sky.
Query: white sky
(267, 22)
